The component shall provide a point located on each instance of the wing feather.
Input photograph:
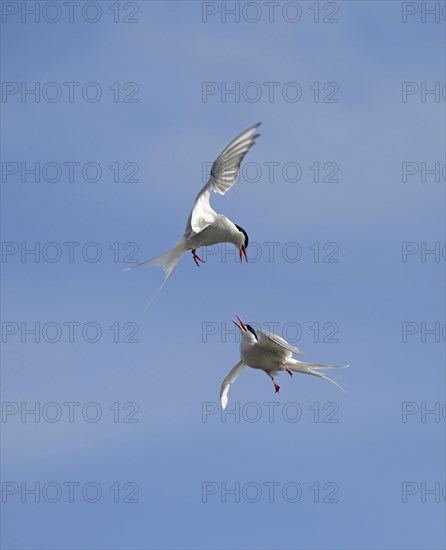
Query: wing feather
(223, 174)
(271, 342)
(228, 381)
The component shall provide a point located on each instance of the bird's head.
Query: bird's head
(248, 333)
(244, 241)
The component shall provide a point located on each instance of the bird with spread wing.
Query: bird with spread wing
(206, 227)
(263, 350)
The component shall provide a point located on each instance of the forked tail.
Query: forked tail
(309, 368)
(168, 261)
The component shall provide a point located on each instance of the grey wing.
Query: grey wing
(223, 174)
(271, 342)
(228, 381)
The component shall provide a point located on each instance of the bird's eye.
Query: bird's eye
(249, 327)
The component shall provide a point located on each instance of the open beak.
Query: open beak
(241, 326)
(243, 250)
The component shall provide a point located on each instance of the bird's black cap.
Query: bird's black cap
(244, 233)
(249, 327)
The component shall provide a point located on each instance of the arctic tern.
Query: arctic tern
(205, 227)
(260, 349)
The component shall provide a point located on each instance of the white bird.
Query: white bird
(205, 227)
(268, 352)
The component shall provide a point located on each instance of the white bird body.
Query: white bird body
(266, 351)
(206, 227)
(222, 230)
(258, 358)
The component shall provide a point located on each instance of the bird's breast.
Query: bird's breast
(258, 358)
(217, 232)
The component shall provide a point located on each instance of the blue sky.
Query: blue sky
(353, 310)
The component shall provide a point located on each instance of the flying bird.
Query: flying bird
(205, 227)
(260, 349)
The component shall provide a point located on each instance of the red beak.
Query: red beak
(243, 250)
(241, 326)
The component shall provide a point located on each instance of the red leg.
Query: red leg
(276, 386)
(197, 257)
(288, 370)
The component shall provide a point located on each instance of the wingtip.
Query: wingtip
(254, 127)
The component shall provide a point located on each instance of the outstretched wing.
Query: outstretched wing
(228, 381)
(271, 342)
(223, 174)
